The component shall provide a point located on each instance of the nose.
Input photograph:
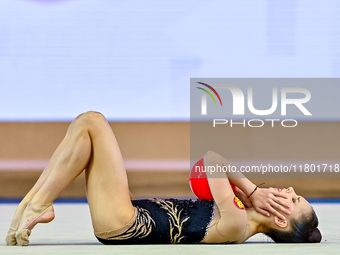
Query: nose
(290, 190)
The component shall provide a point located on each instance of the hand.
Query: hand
(266, 201)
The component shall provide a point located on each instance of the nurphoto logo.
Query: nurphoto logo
(238, 106)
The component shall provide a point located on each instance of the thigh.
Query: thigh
(106, 180)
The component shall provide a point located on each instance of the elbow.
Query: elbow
(212, 154)
(209, 153)
(211, 157)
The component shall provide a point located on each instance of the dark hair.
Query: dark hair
(304, 230)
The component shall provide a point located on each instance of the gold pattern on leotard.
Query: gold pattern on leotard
(142, 226)
(176, 223)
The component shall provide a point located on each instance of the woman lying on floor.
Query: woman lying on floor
(91, 145)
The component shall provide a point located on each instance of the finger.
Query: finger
(264, 212)
(277, 193)
(280, 202)
(280, 208)
(276, 213)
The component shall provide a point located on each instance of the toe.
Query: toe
(22, 238)
(10, 240)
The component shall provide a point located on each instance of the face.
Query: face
(298, 204)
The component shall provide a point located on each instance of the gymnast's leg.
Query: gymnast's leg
(90, 144)
(10, 239)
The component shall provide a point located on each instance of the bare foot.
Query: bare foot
(32, 215)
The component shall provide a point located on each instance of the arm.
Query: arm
(224, 230)
(243, 197)
(222, 179)
(263, 200)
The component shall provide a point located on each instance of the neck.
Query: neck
(257, 223)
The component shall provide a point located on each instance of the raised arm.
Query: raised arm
(224, 230)
(265, 201)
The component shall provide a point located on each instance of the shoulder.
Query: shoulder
(230, 223)
(232, 232)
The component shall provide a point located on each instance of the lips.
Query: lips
(279, 189)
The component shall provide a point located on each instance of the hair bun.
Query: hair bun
(314, 236)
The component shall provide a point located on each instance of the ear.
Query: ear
(281, 223)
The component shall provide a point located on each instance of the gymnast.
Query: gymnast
(118, 218)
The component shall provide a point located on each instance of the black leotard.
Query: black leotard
(165, 221)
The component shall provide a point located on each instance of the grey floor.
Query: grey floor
(71, 233)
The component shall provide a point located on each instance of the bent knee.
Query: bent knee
(93, 115)
(91, 118)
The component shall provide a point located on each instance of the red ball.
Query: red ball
(199, 182)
